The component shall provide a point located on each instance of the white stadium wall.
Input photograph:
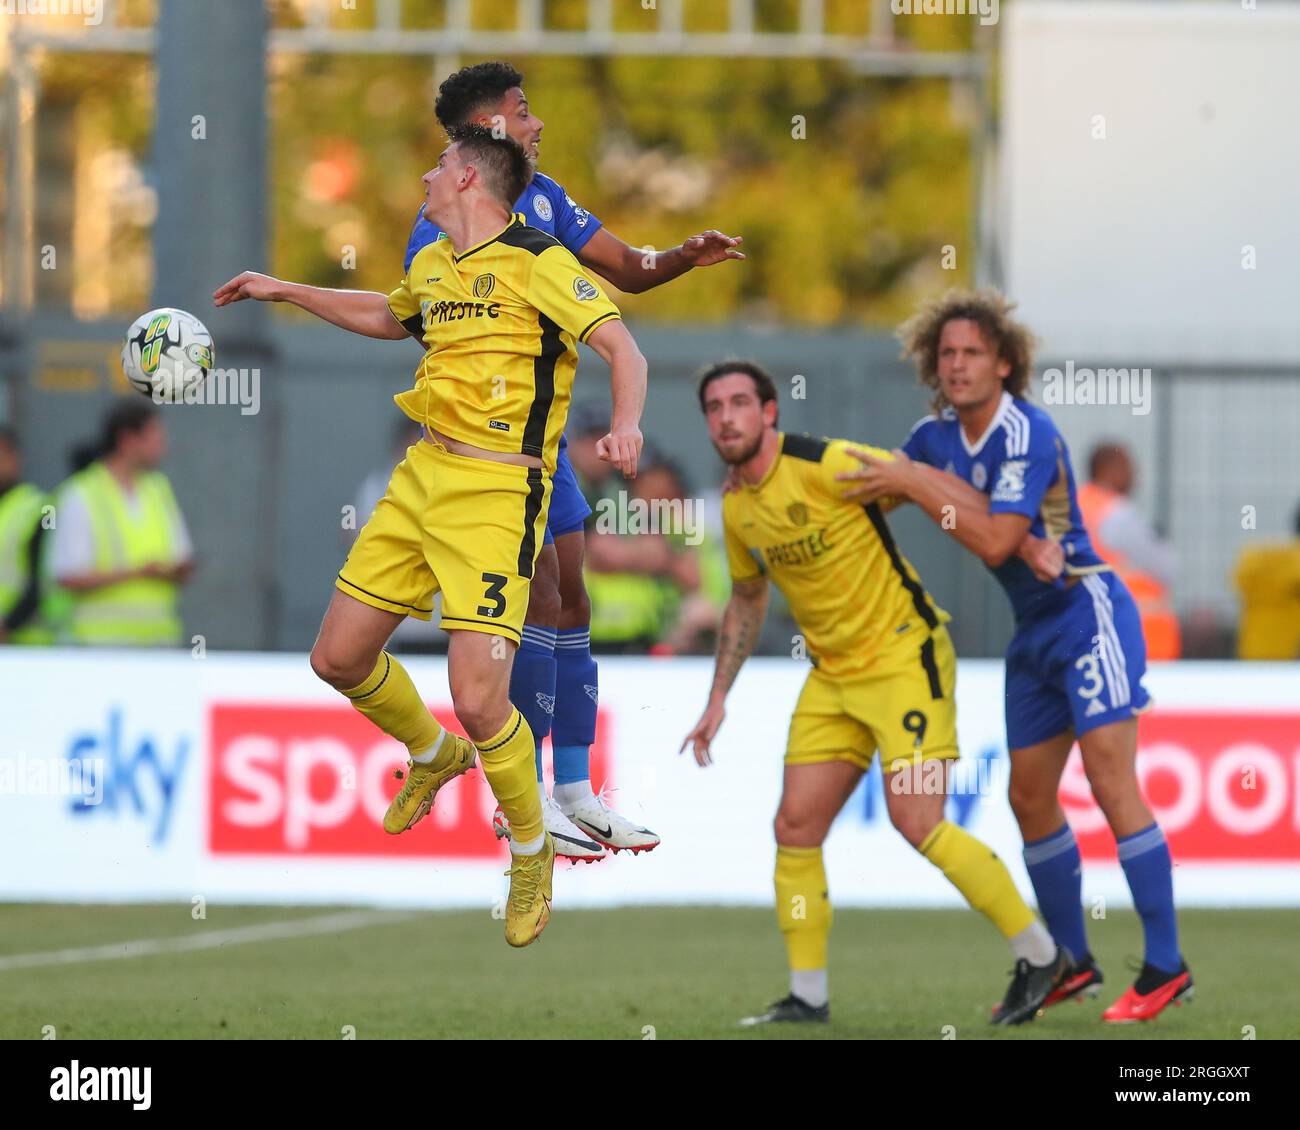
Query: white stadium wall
(1144, 147)
(240, 777)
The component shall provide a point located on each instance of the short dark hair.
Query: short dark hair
(473, 89)
(130, 414)
(763, 383)
(9, 438)
(502, 161)
(1102, 454)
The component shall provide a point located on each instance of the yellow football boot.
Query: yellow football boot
(413, 801)
(528, 906)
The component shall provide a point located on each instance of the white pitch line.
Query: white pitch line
(209, 939)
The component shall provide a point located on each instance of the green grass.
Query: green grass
(685, 972)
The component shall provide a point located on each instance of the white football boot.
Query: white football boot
(570, 842)
(616, 832)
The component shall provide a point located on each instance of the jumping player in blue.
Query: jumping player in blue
(554, 672)
(993, 471)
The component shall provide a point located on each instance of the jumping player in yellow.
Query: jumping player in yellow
(883, 678)
(500, 307)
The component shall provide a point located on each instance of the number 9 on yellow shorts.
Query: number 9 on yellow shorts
(903, 705)
(470, 528)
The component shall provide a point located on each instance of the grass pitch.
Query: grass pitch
(632, 974)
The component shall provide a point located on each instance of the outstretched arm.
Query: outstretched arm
(363, 312)
(741, 623)
(635, 269)
(955, 507)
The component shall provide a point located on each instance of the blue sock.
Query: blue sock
(576, 691)
(532, 683)
(1056, 871)
(1149, 870)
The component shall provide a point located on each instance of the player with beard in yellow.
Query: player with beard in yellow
(883, 678)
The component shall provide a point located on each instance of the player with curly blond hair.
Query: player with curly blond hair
(999, 481)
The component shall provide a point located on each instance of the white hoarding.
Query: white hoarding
(242, 777)
(1146, 179)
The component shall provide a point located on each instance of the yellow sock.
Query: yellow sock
(983, 879)
(389, 699)
(508, 764)
(803, 905)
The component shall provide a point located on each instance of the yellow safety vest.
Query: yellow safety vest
(20, 513)
(628, 607)
(141, 612)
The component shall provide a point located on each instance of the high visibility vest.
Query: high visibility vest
(20, 513)
(1159, 624)
(627, 607)
(141, 612)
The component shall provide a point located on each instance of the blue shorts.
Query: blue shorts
(569, 509)
(1078, 668)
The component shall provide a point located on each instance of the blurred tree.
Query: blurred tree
(846, 188)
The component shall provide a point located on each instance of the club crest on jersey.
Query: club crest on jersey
(542, 207)
(584, 290)
(798, 512)
(979, 476)
(483, 285)
(1011, 481)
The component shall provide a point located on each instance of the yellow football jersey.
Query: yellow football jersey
(500, 322)
(849, 588)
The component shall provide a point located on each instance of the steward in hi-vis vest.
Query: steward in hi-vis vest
(121, 550)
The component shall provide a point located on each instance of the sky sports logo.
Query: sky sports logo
(102, 1084)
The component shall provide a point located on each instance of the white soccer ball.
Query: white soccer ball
(167, 355)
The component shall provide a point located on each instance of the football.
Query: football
(167, 355)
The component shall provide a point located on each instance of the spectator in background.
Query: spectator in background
(22, 613)
(411, 636)
(643, 572)
(701, 580)
(1268, 579)
(121, 550)
(1126, 541)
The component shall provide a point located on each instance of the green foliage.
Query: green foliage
(846, 188)
(846, 224)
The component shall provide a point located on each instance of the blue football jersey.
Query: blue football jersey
(545, 205)
(1023, 464)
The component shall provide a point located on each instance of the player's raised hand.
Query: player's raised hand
(1046, 558)
(711, 247)
(247, 284)
(878, 478)
(621, 447)
(701, 738)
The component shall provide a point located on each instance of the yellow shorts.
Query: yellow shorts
(470, 528)
(903, 705)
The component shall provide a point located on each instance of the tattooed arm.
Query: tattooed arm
(741, 623)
